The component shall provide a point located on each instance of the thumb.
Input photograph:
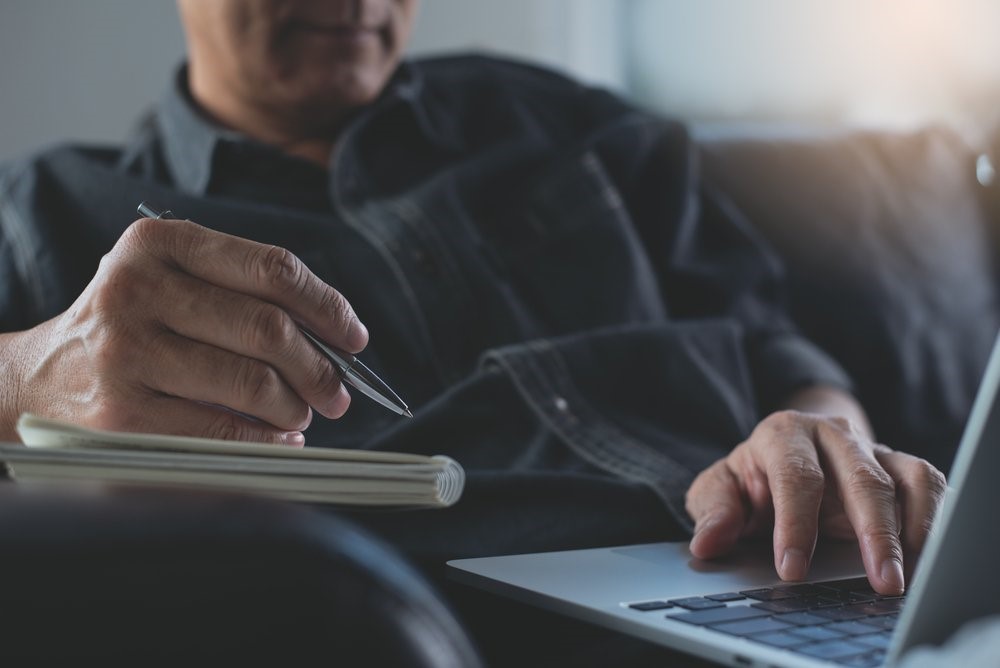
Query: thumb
(715, 503)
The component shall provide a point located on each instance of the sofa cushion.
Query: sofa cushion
(890, 261)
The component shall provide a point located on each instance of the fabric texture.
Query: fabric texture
(572, 313)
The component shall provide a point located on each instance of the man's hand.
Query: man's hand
(189, 331)
(805, 473)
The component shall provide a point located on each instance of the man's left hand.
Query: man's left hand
(807, 473)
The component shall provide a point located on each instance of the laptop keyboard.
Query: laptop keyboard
(842, 621)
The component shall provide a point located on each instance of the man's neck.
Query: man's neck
(257, 124)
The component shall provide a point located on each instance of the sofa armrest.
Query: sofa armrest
(139, 576)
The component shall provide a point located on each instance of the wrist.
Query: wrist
(14, 361)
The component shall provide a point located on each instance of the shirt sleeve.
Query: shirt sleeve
(710, 261)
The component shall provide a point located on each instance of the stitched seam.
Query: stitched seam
(594, 439)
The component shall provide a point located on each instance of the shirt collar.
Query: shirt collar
(191, 139)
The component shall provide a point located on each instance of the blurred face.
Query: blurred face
(300, 64)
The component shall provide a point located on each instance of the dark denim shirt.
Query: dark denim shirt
(546, 280)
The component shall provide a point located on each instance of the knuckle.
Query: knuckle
(146, 234)
(797, 472)
(881, 535)
(839, 423)
(784, 420)
(279, 268)
(141, 232)
(783, 424)
(257, 383)
(924, 527)
(865, 477)
(229, 427)
(121, 286)
(326, 379)
(336, 304)
(270, 330)
(925, 476)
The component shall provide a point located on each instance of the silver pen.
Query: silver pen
(352, 370)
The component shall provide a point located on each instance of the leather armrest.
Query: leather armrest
(135, 575)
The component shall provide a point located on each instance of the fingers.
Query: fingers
(270, 273)
(170, 415)
(796, 482)
(920, 490)
(716, 503)
(191, 370)
(868, 495)
(805, 465)
(255, 329)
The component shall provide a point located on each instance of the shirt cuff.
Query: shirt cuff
(782, 365)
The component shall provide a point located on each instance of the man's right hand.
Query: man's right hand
(188, 331)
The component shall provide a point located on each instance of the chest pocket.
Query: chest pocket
(572, 254)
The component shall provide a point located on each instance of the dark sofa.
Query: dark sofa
(889, 245)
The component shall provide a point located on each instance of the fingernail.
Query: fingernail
(294, 438)
(357, 335)
(794, 564)
(892, 575)
(337, 406)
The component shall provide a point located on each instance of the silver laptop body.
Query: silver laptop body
(623, 587)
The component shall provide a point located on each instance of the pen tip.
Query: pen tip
(407, 413)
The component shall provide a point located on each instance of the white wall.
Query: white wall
(81, 69)
(891, 63)
(580, 37)
(86, 69)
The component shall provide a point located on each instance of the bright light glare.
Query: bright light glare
(860, 62)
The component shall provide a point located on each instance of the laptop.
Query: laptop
(735, 611)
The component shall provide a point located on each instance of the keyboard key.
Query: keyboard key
(727, 597)
(790, 605)
(696, 603)
(885, 622)
(833, 649)
(885, 606)
(646, 606)
(876, 640)
(779, 639)
(850, 584)
(816, 633)
(821, 602)
(844, 614)
(768, 594)
(802, 619)
(851, 628)
(719, 615)
(849, 596)
(805, 589)
(748, 627)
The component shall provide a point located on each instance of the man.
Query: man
(540, 273)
